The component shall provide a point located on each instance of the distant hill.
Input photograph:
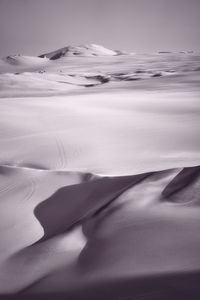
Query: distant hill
(82, 50)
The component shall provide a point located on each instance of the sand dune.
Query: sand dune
(99, 176)
(132, 230)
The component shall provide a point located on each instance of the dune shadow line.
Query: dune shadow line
(72, 204)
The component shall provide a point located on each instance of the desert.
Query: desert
(99, 175)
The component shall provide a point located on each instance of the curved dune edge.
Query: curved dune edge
(64, 230)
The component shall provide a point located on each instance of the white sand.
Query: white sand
(72, 144)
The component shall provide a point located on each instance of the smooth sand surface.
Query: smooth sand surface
(99, 177)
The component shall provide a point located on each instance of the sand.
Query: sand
(99, 177)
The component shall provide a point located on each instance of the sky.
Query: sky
(33, 27)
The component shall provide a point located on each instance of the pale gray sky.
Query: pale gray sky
(33, 27)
